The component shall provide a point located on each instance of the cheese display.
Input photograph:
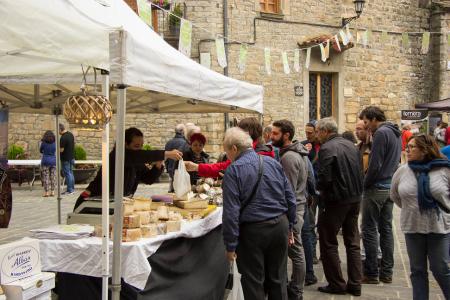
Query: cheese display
(128, 206)
(192, 204)
(131, 221)
(153, 215)
(149, 230)
(162, 228)
(163, 213)
(144, 216)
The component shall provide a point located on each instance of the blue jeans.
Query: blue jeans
(67, 169)
(308, 243)
(377, 219)
(435, 247)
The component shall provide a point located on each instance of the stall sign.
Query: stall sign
(416, 114)
(19, 260)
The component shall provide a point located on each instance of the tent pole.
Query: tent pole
(58, 165)
(105, 195)
(118, 190)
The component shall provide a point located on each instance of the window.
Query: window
(270, 6)
(321, 96)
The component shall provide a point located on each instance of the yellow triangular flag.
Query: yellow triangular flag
(425, 42)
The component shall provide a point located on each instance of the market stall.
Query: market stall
(41, 68)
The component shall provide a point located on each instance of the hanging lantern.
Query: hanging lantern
(88, 110)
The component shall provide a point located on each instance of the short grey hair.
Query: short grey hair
(180, 128)
(268, 129)
(327, 124)
(235, 136)
(191, 130)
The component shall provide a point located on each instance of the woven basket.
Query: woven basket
(88, 110)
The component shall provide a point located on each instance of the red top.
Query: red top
(212, 170)
(406, 134)
(447, 135)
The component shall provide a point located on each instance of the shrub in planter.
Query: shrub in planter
(18, 173)
(79, 153)
(16, 152)
(147, 147)
(82, 172)
(174, 22)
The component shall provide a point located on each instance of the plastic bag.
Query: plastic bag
(236, 292)
(181, 180)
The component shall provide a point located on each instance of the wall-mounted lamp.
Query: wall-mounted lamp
(359, 7)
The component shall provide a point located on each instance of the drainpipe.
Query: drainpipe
(226, 116)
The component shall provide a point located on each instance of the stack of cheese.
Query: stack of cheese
(140, 221)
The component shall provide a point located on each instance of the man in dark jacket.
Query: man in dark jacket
(257, 217)
(377, 206)
(293, 159)
(180, 143)
(340, 186)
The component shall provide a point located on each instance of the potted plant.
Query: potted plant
(174, 20)
(164, 4)
(18, 174)
(82, 172)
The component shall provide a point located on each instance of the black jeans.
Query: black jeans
(262, 258)
(331, 219)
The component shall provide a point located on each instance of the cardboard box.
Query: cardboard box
(34, 287)
(19, 260)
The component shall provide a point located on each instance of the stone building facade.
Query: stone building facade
(381, 74)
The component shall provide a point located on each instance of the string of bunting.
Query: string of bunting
(340, 41)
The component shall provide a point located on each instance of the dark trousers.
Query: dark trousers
(331, 219)
(308, 243)
(262, 258)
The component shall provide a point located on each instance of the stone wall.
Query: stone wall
(380, 74)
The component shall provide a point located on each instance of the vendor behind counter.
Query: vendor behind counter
(136, 166)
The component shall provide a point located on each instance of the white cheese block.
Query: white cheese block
(142, 204)
(128, 206)
(131, 235)
(163, 213)
(153, 216)
(131, 221)
(162, 228)
(173, 226)
(149, 230)
(175, 216)
(145, 217)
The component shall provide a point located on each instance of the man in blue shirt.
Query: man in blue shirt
(258, 216)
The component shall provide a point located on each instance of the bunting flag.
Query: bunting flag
(327, 50)
(308, 58)
(297, 60)
(184, 45)
(243, 51)
(343, 37)
(336, 39)
(205, 59)
(425, 42)
(349, 34)
(405, 41)
(384, 37)
(145, 11)
(267, 61)
(322, 52)
(221, 56)
(286, 68)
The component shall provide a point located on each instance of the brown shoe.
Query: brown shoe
(370, 280)
(386, 279)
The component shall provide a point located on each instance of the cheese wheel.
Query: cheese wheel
(149, 230)
(132, 221)
(144, 216)
(128, 207)
(142, 204)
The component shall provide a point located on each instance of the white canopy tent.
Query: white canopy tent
(44, 43)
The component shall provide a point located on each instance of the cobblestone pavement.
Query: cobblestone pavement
(31, 210)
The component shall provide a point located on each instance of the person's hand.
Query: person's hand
(173, 154)
(191, 166)
(231, 256)
(85, 194)
(290, 238)
(308, 146)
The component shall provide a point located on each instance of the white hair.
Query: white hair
(235, 136)
(180, 128)
(327, 124)
(191, 130)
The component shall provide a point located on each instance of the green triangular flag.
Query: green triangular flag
(425, 42)
(405, 41)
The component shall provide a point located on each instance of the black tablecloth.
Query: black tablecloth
(181, 269)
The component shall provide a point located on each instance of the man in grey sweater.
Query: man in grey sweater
(377, 205)
(293, 158)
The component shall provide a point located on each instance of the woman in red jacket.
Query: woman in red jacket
(254, 129)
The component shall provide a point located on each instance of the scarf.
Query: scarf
(425, 199)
